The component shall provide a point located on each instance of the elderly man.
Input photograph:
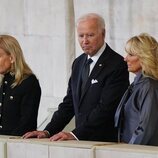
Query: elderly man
(99, 79)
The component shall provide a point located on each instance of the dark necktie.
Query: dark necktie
(85, 72)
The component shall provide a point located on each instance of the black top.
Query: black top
(19, 105)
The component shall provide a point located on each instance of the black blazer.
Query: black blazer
(19, 105)
(94, 110)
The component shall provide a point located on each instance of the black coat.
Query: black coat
(19, 105)
(94, 110)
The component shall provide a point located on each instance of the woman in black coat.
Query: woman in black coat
(20, 91)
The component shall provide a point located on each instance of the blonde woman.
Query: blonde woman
(20, 91)
(137, 115)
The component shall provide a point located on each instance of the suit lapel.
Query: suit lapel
(79, 83)
(101, 63)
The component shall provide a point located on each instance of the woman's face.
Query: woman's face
(133, 63)
(5, 62)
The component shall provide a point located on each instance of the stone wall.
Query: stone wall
(46, 32)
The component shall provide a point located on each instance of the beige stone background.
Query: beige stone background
(46, 31)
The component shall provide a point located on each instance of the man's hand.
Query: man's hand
(36, 134)
(62, 136)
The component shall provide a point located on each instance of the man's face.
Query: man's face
(90, 36)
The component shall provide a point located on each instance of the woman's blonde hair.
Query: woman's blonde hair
(19, 67)
(146, 48)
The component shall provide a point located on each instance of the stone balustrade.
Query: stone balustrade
(16, 147)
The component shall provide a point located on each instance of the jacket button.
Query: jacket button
(0, 126)
(11, 97)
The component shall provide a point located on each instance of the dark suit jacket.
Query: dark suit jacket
(140, 121)
(19, 106)
(94, 110)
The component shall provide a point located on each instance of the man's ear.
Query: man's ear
(104, 32)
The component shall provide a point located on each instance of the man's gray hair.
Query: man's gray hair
(96, 16)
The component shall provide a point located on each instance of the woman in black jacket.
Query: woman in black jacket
(20, 91)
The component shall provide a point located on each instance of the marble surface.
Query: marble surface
(126, 151)
(16, 147)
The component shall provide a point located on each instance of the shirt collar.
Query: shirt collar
(98, 54)
(138, 77)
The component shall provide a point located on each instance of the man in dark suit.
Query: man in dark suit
(92, 100)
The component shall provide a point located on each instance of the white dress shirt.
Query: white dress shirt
(96, 57)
